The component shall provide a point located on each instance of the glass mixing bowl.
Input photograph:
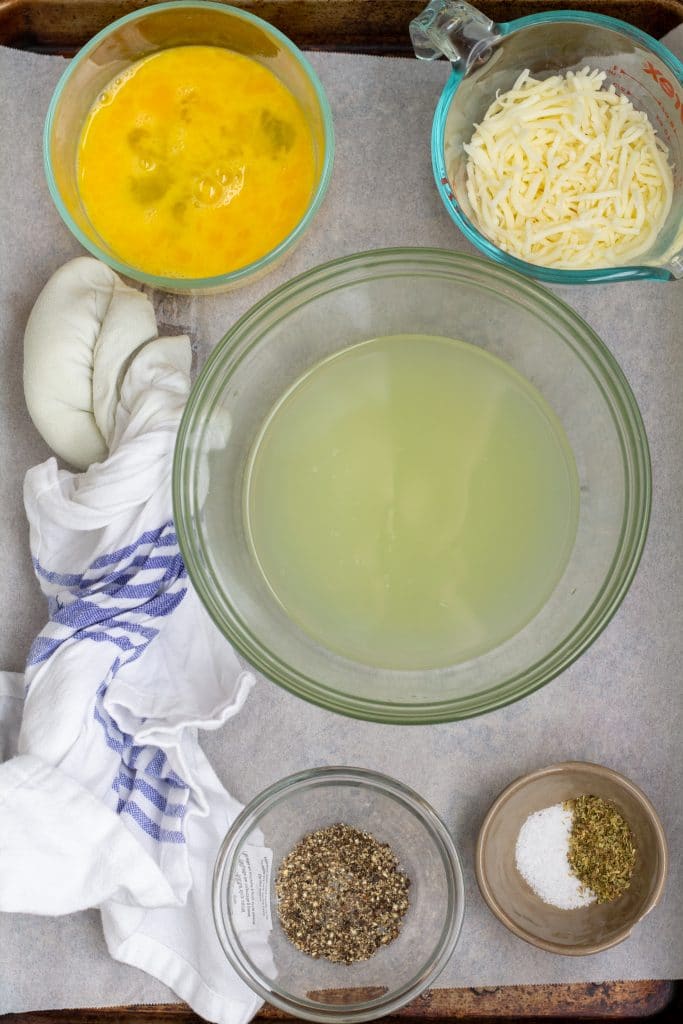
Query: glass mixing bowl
(429, 292)
(147, 31)
(487, 58)
(246, 868)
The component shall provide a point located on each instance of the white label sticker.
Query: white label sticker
(251, 889)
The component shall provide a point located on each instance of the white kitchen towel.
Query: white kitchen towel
(110, 799)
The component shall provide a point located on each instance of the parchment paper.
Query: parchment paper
(620, 704)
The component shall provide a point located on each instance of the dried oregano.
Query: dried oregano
(602, 853)
(341, 894)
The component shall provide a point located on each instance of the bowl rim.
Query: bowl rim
(564, 767)
(328, 775)
(241, 274)
(601, 364)
(469, 229)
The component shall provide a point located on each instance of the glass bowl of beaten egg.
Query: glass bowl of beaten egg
(189, 145)
(246, 896)
(557, 142)
(411, 486)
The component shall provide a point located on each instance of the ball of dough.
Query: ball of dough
(80, 337)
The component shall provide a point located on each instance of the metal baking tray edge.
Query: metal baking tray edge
(366, 26)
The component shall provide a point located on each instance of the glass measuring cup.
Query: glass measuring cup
(486, 58)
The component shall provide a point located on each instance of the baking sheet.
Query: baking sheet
(620, 704)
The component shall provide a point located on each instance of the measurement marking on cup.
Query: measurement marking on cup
(666, 125)
(665, 85)
(445, 181)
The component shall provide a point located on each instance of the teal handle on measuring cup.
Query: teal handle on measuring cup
(457, 30)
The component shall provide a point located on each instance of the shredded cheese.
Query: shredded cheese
(563, 173)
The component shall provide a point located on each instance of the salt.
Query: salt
(541, 855)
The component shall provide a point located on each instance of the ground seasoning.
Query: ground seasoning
(341, 894)
(601, 849)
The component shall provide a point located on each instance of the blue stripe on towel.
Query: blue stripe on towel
(157, 763)
(123, 781)
(84, 611)
(152, 828)
(101, 636)
(41, 649)
(164, 536)
(64, 580)
(156, 537)
(147, 632)
(155, 767)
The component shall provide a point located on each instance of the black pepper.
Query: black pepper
(341, 894)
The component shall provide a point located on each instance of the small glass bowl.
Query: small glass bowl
(121, 44)
(273, 823)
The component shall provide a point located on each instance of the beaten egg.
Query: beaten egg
(195, 162)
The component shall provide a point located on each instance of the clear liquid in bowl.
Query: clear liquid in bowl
(411, 501)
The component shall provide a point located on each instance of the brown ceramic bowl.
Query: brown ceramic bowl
(589, 929)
